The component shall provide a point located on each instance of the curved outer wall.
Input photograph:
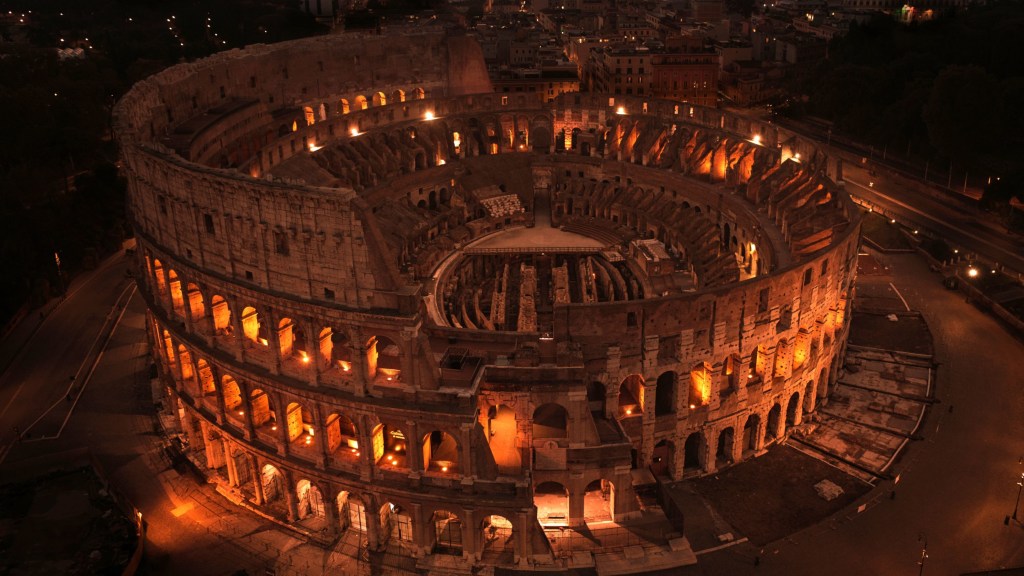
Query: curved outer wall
(281, 319)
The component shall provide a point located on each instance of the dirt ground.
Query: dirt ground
(773, 496)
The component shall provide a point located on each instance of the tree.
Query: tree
(964, 113)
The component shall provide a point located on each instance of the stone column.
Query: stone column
(710, 449)
(576, 503)
(466, 449)
(257, 480)
(238, 331)
(289, 495)
(647, 422)
(413, 447)
(281, 421)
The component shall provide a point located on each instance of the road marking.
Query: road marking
(103, 332)
(905, 305)
(721, 547)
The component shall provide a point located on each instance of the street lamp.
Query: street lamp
(924, 552)
(1020, 485)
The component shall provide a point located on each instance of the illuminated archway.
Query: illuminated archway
(552, 502)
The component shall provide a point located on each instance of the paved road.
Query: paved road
(48, 357)
(960, 226)
(957, 484)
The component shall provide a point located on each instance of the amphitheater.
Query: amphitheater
(462, 330)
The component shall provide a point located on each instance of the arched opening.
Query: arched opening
(221, 315)
(395, 524)
(822, 385)
(631, 396)
(207, 384)
(419, 94)
(361, 103)
(285, 338)
(196, 306)
(693, 452)
(723, 455)
(343, 106)
(383, 359)
(389, 447)
(342, 438)
(700, 386)
(498, 544)
(665, 394)
(771, 431)
(447, 533)
(662, 458)
(263, 413)
(552, 502)
(351, 512)
(379, 99)
(252, 327)
(309, 115)
(550, 421)
(750, 434)
(325, 345)
(503, 431)
(298, 428)
(398, 95)
(599, 501)
(271, 481)
(310, 500)
(177, 299)
(232, 400)
(793, 410)
(596, 397)
(444, 197)
(341, 351)
(158, 278)
(440, 453)
(187, 371)
(731, 373)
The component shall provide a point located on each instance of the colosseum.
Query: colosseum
(396, 310)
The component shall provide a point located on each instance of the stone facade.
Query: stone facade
(297, 291)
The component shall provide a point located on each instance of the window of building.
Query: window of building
(208, 223)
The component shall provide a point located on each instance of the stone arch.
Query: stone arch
(196, 304)
(665, 394)
(771, 431)
(550, 420)
(252, 326)
(599, 500)
(723, 452)
(793, 410)
(389, 446)
(440, 452)
(271, 482)
(750, 432)
(700, 386)
(663, 458)
(419, 93)
(263, 410)
(232, 393)
(731, 374)
(297, 425)
(187, 370)
(360, 103)
(341, 350)
(286, 337)
(342, 437)
(177, 296)
(552, 502)
(351, 511)
(221, 313)
(310, 501)
(158, 278)
(380, 99)
(398, 96)
(502, 433)
(447, 532)
(383, 358)
(395, 524)
(498, 543)
(631, 396)
(309, 115)
(343, 107)
(694, 452)
(207, 383)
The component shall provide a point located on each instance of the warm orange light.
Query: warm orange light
(756, 139)
(444, 468)
(621, 110)
(354, 132)
(692, 406)
(429, 116)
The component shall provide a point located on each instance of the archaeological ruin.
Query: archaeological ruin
(393, 308)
